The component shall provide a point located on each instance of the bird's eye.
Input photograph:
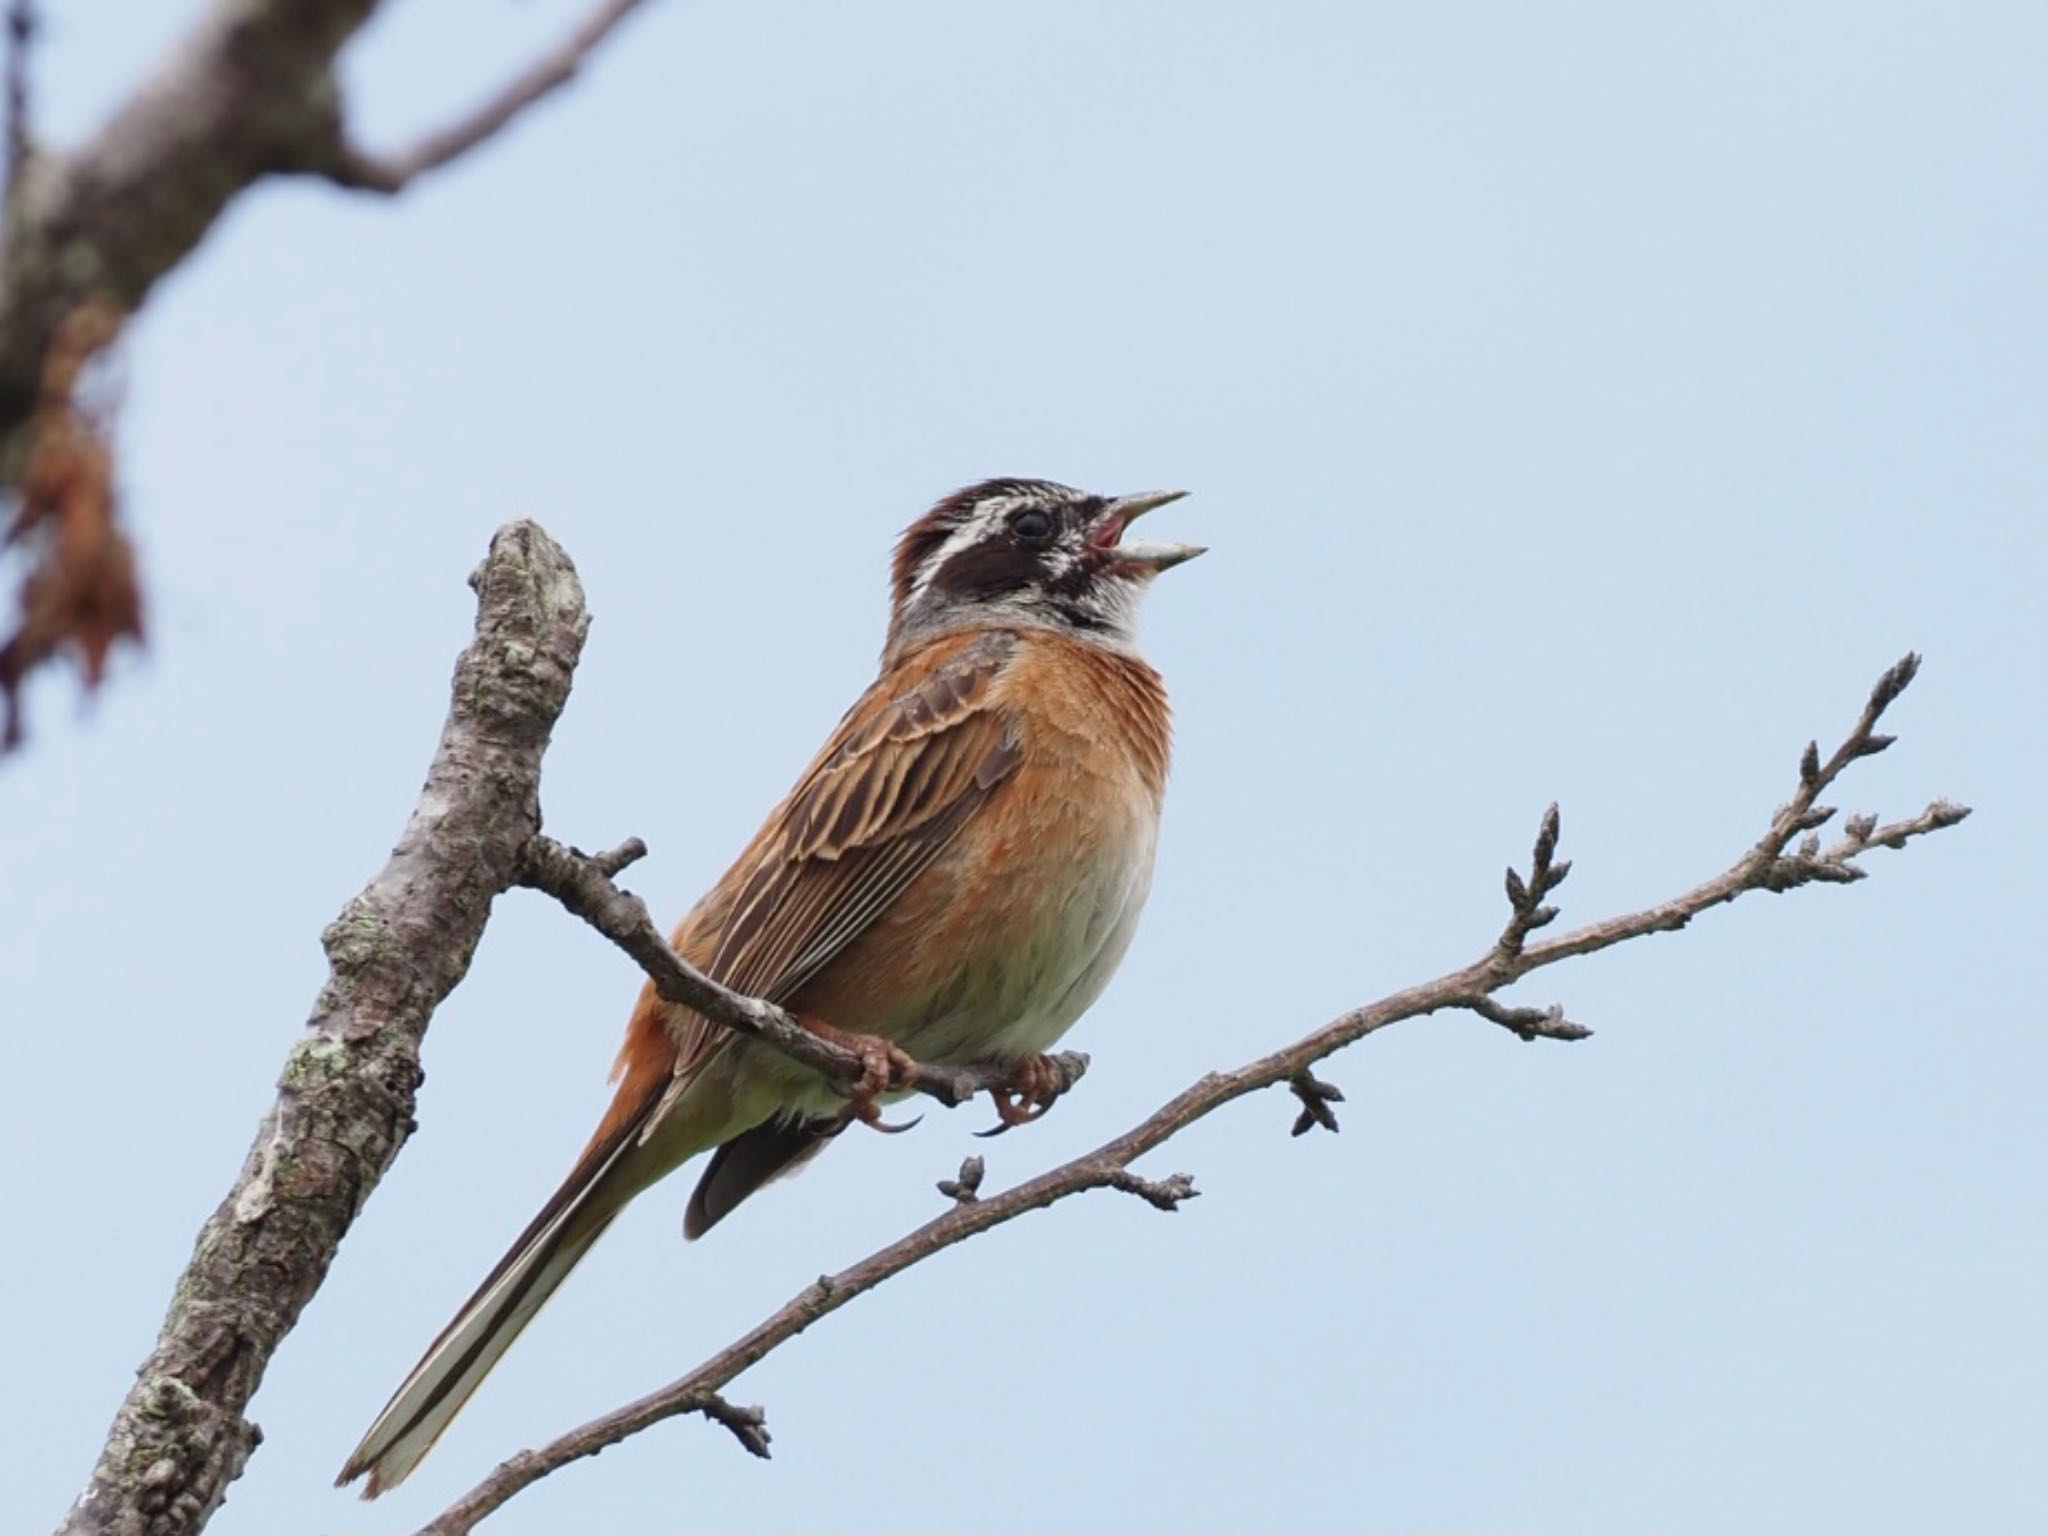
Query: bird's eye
(1032, 525)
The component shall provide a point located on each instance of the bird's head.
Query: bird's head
(1029, 553)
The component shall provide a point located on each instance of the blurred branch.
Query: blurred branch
(351, 167)
(249, 92)
(1766, 866)
(22, 25)
(345, 1100)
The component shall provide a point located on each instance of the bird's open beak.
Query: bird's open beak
(1147, 554)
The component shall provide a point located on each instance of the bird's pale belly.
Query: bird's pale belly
(1003, 966)
(1024, 987)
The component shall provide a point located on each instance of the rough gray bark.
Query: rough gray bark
(345, 1100)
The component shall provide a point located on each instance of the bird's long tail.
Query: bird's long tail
(456, 1363)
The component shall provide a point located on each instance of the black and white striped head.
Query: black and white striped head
(1030, 553)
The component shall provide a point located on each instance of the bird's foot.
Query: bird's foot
(1034, 1083)
(884, 1068)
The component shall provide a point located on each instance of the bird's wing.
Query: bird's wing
(908, 767)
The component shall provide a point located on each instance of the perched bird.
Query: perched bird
(953, 879)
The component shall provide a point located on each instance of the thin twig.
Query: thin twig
(964, 1188)
(1529, 1023)
(749, 1426)
(390, 173)
(583, 884)
(615, 862)
(1161, 1194)
(1316, 1098)
(1525, 897)
(1108, 1166)
(1765, 867)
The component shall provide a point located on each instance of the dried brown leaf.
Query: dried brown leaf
(80, 594)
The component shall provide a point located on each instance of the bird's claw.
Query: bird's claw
(884, 1068)
(1034, 1083)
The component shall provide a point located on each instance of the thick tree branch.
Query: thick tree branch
(351, 167)
(345, 1100)
(1766, 866)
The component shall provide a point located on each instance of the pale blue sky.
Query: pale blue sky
(1582, 401)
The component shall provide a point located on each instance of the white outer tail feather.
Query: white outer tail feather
(456, 1364)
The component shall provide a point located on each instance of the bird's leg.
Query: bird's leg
(1033, 1084)
(884, 1068)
